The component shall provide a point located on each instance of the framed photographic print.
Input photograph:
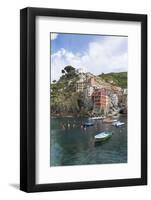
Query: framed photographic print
(83, 95)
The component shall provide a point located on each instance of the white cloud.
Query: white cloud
(108, 55)
(54, 36)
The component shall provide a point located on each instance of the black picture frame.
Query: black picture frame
(28, 99)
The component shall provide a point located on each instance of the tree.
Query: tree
(63, 71)
(69, 72)
(69, 69)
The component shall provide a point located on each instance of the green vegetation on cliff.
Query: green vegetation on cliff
(66, 100)
(118, 79)
(64, 97)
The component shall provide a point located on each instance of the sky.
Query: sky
(93, 53)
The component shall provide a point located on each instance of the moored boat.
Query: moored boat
(99, 117)
(118, 124)
(108, 120)
(105, 135)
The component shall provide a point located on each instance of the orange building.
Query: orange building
(101, 99)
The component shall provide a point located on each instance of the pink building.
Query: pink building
(101, 99)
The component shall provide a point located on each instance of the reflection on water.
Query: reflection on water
(71, 144)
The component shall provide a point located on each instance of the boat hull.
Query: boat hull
(97, 118)
(103, 136)
(103, 139)
(109, 121)
(118, 124)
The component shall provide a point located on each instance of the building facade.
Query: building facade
(86, 83)
(101, 100)
(80, 85)
(114, 99)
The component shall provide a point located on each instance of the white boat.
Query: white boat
(109, 120)
(96, 118)
(103, 136)
(118, 124)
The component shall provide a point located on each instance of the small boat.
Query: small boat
(108, 120)
(105, 135)
(118, 124)
(88, 124)
(96, 118)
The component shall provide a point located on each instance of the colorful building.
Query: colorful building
(88, 91)
(80, 85)
(101, 100)
(85, 82)
(114, 99)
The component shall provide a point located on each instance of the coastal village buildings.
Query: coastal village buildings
(86, 80)
(101, 96)
(124, 97)
(80, 85)
(88, 94)
(88, 91)
(114, 99)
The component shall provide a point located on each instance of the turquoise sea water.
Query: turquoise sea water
(71, 144)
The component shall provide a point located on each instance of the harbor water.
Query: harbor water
(72, 144)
